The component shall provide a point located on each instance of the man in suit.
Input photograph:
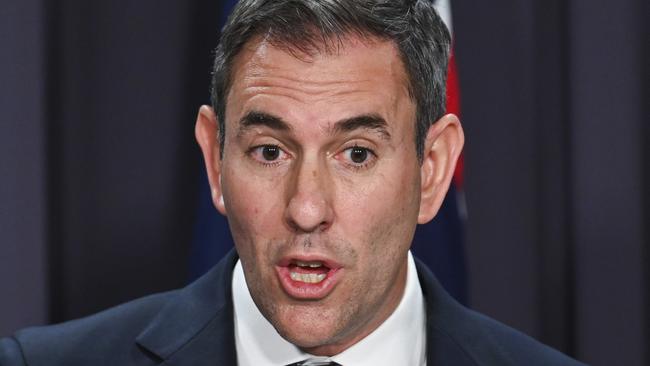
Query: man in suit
(326, 144)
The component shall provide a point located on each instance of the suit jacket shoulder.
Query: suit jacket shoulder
(182, 327)
(459, 336)
(106, 338)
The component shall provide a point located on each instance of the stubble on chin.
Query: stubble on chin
(305, 323)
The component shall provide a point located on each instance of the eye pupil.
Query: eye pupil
(358, 155)
(270, 153)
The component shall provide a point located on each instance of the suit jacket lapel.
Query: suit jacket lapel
(444, 319)
(196, 326)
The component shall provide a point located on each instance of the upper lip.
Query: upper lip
(327, 262)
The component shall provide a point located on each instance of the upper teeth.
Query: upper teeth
(308, 264)
(307, 277)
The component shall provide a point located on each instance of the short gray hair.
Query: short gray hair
(309, 26)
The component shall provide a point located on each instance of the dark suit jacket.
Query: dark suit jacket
(194, 326)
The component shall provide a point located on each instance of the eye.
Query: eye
(270, 152)
(267, 153)
(358, 156)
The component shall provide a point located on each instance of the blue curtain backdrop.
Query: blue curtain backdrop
(439, 243)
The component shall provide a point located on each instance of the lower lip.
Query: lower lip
(307, 291)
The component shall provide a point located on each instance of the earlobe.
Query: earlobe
(442, 148)
(206, 131)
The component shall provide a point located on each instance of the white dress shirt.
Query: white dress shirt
(399, 340)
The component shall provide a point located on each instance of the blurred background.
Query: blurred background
(102, 195)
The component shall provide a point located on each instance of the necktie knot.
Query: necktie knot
(316, 361)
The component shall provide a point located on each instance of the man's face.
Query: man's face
(321, 185)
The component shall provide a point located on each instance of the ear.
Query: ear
(442, 148)
(207, 135)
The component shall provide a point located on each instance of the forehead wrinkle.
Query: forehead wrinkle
(305, 96)
(302, 86)
(260, 91)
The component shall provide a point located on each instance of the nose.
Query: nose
(309, 207)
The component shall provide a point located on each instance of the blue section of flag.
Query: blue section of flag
(212, 239)
(440, 243)
(226, 7)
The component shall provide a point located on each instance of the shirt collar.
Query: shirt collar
(400, 339)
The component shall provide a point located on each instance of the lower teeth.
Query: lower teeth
(307, 277)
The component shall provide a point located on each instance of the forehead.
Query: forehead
(366, 72)
(370, 53)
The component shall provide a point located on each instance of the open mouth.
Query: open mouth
(308, 272)
(304, 278)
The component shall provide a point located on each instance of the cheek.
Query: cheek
(382, 212)
(387, 197)
(249, 194)
(254, 207)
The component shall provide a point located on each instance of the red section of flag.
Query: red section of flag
(453, 92)
(453, 106)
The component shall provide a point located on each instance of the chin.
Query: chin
(306, 340)
(314, 343)
(310, 329)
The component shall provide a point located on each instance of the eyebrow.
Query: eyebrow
(372, 122)
(367, 121)
(255, 118)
